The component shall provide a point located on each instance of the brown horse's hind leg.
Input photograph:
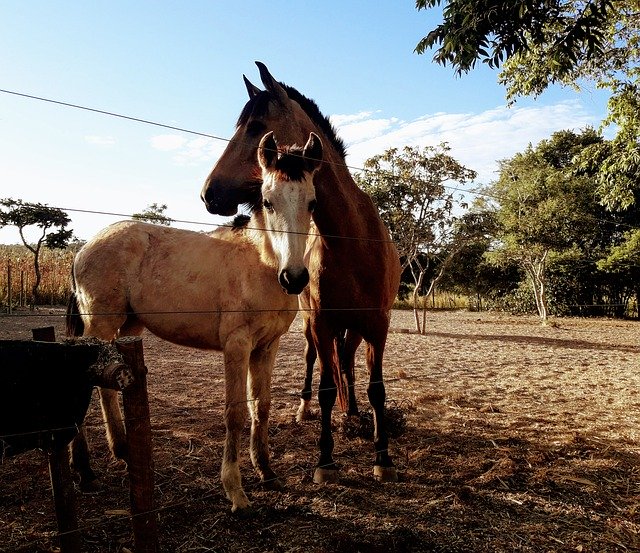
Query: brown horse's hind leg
(310, 356)
(384, 469)
(260, 369)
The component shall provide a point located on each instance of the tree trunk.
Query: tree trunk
(416, 292)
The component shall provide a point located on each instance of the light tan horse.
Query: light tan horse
(354, 267)
(220, 291)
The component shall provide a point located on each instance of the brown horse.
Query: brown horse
(219, 291)
(354, 267)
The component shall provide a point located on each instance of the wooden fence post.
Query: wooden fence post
(64, 498)
(44, 334)
(9, 286)
(144, 518)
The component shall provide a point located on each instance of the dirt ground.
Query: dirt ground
(518, 438)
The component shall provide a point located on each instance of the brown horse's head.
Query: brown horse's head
(236, 177)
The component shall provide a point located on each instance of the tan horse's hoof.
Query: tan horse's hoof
(325, 476)
(243, 512)
(385, 474)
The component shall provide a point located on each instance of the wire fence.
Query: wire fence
(296, 470)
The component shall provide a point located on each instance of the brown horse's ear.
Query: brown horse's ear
(251, 88)
(312, 152)
(267, 151)
(272, 85)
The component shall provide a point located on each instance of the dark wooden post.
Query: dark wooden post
(44, 334)
(144, 518)
(64, 498)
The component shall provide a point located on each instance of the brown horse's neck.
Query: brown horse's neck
(343, 209)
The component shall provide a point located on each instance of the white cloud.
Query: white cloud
(168, 142)
(189, 152)
(100, 140)
(477, 140)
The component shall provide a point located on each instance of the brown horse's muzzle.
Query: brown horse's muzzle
(216, 202)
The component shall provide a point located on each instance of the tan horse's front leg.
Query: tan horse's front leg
(236, 366)
(259, 389)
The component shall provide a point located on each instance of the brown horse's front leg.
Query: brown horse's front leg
(260, 370)
(383, 470)
(326, 470)
(236, 365)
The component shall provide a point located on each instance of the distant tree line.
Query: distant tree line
(535, 240)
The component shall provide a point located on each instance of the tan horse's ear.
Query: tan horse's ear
(312, 152)
(272, 85)
(267, 151)
(251, 88)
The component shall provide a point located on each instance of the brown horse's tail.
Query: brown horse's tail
(340, 363)
(75, 326)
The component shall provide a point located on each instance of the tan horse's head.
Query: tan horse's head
(288, 200)
(234, 180)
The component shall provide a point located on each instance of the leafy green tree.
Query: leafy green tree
(544, 208)
(154, 214)
(47, 219)
(409, 187)
(540, 42)
(624, 259)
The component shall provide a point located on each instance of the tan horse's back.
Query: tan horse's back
(190, 288)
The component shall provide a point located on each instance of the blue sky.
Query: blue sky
(181, 63)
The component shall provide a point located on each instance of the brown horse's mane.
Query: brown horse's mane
(257, 106)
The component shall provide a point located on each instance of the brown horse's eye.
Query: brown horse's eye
(268, 205)
(256, 128)
(312, 206)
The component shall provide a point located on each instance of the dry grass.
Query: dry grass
(55, 268)
(517, 437)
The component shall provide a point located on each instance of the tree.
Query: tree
(544, 208)
(624, 258)
(540, 42)
(154, 214)
(22, 215)
(408, 187)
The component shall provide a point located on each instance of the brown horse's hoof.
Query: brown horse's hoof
(92, 486)
(273, 484)
(385, 474)
(325, 476)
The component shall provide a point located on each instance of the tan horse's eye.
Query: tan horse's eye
(268, 205)
(312, 206)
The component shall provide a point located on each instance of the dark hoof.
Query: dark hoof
(273, 484)
(243, 512)
(385, 474)
(91, 486)
(325, 476)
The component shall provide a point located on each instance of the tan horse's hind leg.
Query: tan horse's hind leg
(259, 392)
(236, 366)
(108, 327)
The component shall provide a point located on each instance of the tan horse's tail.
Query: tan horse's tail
(75, 326)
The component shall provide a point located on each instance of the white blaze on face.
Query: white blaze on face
(288, 218)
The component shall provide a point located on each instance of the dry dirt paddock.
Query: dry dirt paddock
(518, 438)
